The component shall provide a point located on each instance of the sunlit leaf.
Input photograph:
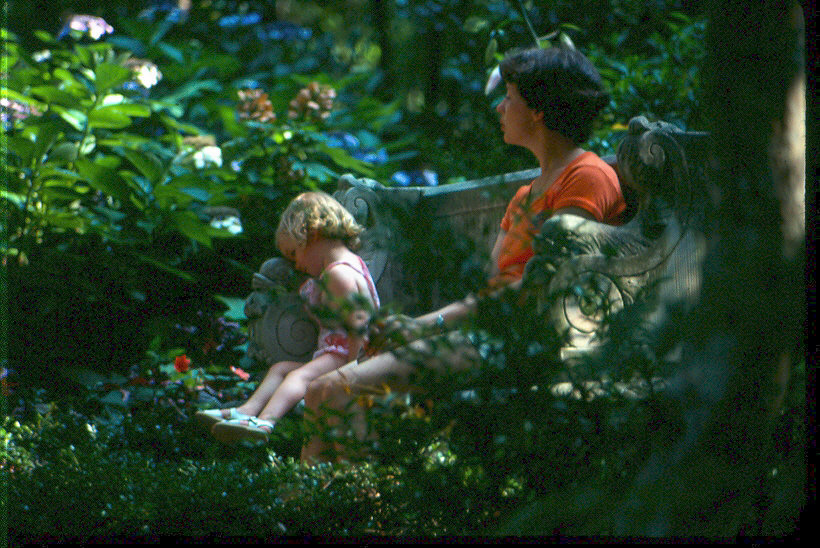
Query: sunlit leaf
(108, 118)
(236, 307)
(489, 53)
(16, 199)
(13, 95)
(68, 78)
(116, 116)
(191, 226)
(65, 220)
(343, 159)
(474, 24)
(75, 118)
(44, 36)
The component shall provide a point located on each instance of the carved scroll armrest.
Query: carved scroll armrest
(583, 271)
(279, 328)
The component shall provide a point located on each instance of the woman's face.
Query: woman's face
(517, 119)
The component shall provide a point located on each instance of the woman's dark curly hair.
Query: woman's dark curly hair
(561, 83)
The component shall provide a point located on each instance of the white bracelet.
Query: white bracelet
(440, 321)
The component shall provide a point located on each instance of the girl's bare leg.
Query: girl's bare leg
(262, 395)
(335, 391)
(293, 387)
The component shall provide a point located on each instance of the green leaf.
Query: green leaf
(134, 109)
(75, 118)
(191, 226)
(113, 215)
(109, 75)
(343, 159)
(87, 378)
(115, 397)
(236, 307)
(9, 58)
(116, 116)
(64, 152)
(143, 393)
(172, 123)
(47, 134)
(127, 43)
(54, 95)
(167, 195)
(108, 119)
(165, 267)
(62, 189)
(44, 36)
(171, 52)
(7, 93)
(316, 171)
(22, 147)
(103, 178)
(65, 220)
(191, 90)
(197, 193)
(148, 164)
(489, 53)
(16, 199)
(162, 29)
(474, 24)
(67, 78)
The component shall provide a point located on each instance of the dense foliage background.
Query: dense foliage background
(146, 157)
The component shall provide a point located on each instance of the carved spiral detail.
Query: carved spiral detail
(360, 203)
(590, 300)
(296, 334)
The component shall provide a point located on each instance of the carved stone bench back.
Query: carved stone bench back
(401, 223)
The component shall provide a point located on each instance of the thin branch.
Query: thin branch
(529, 23)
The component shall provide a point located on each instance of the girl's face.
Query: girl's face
(298, 253)
(517, 119)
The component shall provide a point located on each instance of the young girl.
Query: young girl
(317, 234)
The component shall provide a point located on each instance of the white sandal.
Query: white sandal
(251, 428)
(209, 417)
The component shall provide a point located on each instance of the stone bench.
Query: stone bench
(662, 171)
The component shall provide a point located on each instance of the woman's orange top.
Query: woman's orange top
(587, 182)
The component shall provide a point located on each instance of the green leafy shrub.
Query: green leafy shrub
(122, 208)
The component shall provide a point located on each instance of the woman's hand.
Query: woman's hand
(394, 331)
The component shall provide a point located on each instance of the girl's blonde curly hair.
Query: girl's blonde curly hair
(316, 214)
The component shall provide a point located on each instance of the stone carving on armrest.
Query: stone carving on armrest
(279, 328)
(361, 197)
(583, 270)
(375, 207)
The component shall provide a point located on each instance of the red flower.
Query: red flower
(182, 363)
(240, 373)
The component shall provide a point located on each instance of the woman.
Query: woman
(553, 96)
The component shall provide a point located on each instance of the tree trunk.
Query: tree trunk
(747, 331)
